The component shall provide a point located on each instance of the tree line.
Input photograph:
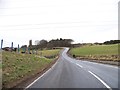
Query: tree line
(112, 42)
(52, 43)
(40, 44)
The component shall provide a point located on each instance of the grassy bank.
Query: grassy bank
(98, 52)
(18, 66)
(0, 65)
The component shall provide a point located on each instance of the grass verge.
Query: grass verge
(15, 67)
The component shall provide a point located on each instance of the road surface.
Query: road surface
(71, 73)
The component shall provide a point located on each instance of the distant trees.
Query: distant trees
(42, 44)
(112, 42)
(54, 43)
(60, 43)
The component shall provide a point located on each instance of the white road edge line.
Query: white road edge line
(100, 80)
(79, 65)
(40, 76)
(106, 65)
(116, 67)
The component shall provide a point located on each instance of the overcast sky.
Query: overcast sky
(80, 20)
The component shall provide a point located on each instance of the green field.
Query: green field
(53, 52)
(103, 52)
(17, 66)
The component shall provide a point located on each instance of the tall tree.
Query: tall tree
(42, 44)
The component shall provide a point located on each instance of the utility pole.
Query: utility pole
(11, 46)
(18, 48)
(1, 43)
(28, 50)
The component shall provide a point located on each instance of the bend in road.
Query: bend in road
(71, 73)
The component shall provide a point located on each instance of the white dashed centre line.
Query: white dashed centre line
(79, 65)
(100, 80)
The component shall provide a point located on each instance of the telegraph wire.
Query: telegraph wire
(61, 23)
(50, 27)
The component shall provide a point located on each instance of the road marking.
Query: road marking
(71, 61)
(106, 65)
(100, 80)
(116, 67)
(37, 79)
(79, 65)
(54, 65)
(40, 76)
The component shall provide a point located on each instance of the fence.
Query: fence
(9, 46)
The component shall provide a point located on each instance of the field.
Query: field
(49, 53)
(99, 52)
(17, 66)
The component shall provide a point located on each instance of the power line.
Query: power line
(17, 7)
(46, 23)
(23, 7)
(21, 14)
(57, 23)
(53, 27)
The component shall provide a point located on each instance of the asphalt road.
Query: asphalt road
(71, 73)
